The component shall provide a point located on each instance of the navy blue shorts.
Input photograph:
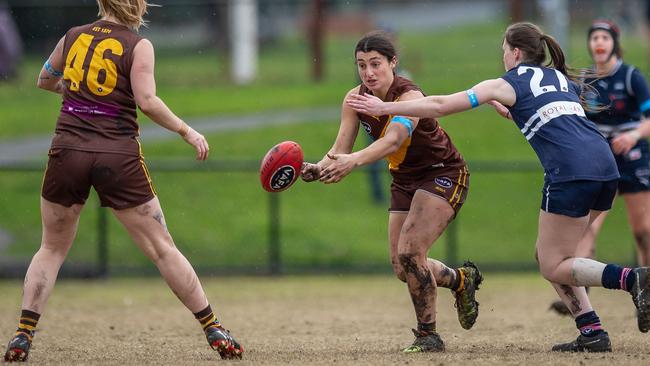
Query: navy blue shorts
(576, 198)
(634, 168)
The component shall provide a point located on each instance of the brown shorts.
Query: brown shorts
(450, 184)
(121, 181)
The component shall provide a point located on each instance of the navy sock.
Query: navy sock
(589, 324)
(617, 277)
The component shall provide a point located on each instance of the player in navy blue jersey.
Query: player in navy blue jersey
(622, 94)
(580, 173)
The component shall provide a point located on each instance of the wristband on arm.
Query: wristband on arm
(48, 67)
(473, 99)
(404, 122)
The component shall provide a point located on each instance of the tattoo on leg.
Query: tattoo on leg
(143, 210)
(158, 216)
(575, 303)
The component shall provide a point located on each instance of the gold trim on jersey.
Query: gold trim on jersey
(47, 165)
(144, 167)
(463, 177)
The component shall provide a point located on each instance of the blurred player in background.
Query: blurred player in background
(103, 70)
(430, 183)
(580, 173)
(623, 92)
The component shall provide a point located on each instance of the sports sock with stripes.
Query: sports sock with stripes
(589, 324)
(27, 323)
(617, 277)
(207, 319)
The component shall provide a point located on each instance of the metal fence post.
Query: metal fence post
(275, 260)
(102, 242)
(452, 243)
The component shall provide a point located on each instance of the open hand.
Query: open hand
(623, 143)
(366, 104)
(199, 142)
(500, 108)
(342, 165)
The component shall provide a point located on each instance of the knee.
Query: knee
(548, 275)
(547, 269)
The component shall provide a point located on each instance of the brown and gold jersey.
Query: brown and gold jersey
(429, 147)
(99, 110)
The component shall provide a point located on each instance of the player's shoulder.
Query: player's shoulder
(354, 90)
(406, 87)
(79, 28)
(411, 94)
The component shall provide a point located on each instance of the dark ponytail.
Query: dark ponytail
(558, 61)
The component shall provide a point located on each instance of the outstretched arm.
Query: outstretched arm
(437, 105)
(398, 130)
(50, 76)
(144, 91)
(348, 130)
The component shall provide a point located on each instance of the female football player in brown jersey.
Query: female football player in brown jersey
(430, 183)
(103, 71)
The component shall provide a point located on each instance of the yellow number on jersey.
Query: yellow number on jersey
(99, 63)
(75, 60)
(74, 70)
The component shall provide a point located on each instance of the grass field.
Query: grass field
(221, 218)
(338, 320)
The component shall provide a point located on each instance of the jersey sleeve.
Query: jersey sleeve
(639, 87)
(510, 79)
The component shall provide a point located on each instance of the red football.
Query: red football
(281, 166)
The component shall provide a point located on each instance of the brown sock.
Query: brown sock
(27, 323)
(206, 318)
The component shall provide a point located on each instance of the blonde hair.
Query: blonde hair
(127, 12)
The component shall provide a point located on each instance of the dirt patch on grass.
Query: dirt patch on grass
(313, 320)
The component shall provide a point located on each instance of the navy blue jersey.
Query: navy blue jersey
(625, 92)
(549, 114)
